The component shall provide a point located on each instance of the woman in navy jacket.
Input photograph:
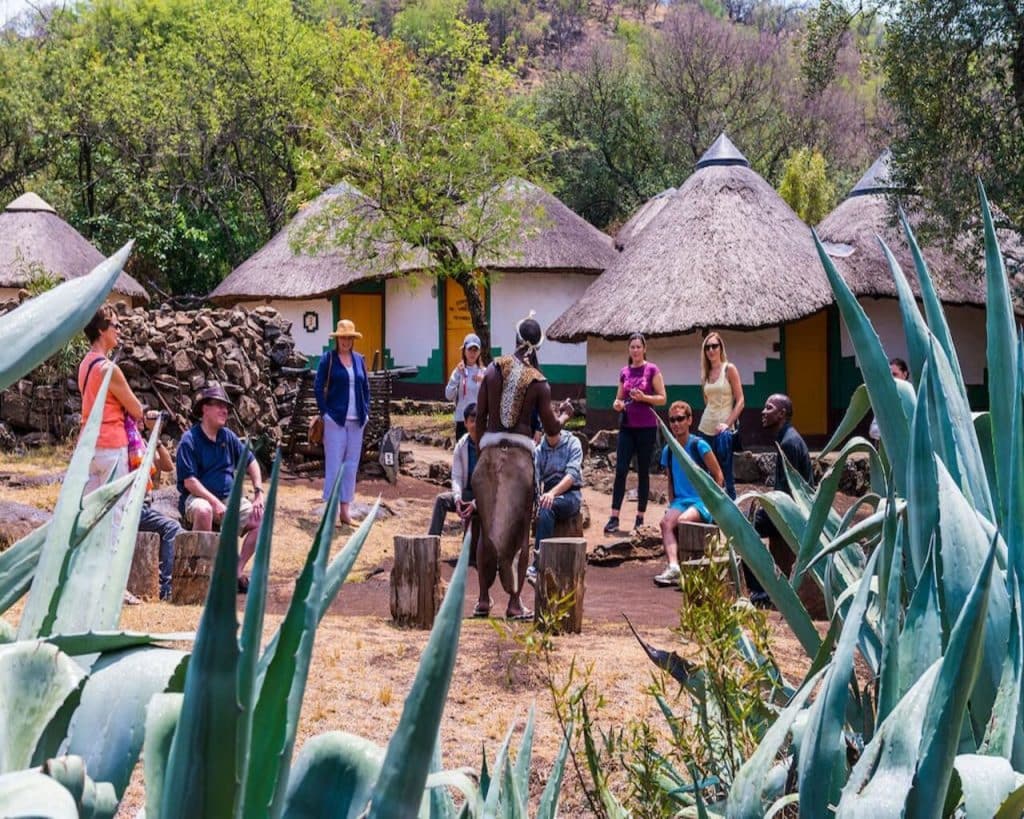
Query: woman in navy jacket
(343, 397)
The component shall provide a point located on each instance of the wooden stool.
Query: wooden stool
(695, 539)
(569, 527)
(144, 576)
(416, 581)
(194, 554)
(723, 568)
(560, 569)
(810, 592)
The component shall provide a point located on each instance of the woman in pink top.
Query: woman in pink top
(111, 455)
(641, 389)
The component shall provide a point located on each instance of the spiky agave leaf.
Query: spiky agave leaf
(37, 329)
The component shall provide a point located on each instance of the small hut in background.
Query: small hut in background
(547, 268)
(34, 240)
(725, 252)
(312, 289)
(850, 235)
(642, 218)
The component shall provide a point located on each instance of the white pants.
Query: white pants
(342, 447)
(108, 464)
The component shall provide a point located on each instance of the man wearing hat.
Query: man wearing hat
(207, 462)
(342, 392)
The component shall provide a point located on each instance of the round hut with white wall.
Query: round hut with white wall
(313, 288)
(555, 256)
(850, 235)
(35, 243)
(725, 253)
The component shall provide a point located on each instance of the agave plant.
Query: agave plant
(219, 723)
(927, 588)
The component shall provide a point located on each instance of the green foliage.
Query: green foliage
(805, 185)
(937, 627)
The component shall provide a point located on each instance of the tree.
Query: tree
(955, 76)
(429, 149)
(805, 185)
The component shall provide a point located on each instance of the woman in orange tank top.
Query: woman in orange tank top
(111, 455)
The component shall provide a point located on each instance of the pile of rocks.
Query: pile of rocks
(167, 357)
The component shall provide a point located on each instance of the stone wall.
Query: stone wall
(167, 357)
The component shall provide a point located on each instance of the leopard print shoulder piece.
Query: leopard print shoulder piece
(516, 380)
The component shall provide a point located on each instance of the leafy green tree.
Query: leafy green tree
(429, 150)
(805, 185)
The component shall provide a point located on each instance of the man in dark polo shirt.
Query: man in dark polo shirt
(207, 461)
(776, 418)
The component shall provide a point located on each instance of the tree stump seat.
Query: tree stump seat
(416, 581)
(809, 592)
(569, 527)
(144, 575)
(723, 567)
(561, 567)
(696, 539)
(194, 555)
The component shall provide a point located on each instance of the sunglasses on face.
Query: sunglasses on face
(713, 346)
(677, 419)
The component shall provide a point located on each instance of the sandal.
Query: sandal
(481, 611)
(525, 614)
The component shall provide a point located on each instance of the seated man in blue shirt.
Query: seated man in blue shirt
(558, 473)
(684, 502)
(208, 458)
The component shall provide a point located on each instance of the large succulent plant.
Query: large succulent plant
(927, 587)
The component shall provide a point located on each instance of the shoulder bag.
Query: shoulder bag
(315, 434)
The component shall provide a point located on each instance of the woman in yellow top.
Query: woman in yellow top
(723, 403)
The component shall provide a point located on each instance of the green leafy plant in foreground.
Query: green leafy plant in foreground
(220, 723)
(926, 588)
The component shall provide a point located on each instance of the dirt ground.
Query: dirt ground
(363, 666)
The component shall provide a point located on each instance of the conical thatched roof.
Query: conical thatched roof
(850, 235)
(552, 238)
(725, 251)
(276, 271)
(33, 236)
(642, 218)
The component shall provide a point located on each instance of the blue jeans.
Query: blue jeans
(168, 529)
(722, 446)
(564, 507)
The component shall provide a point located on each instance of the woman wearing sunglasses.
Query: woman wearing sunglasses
(723, 403)
(641, 389)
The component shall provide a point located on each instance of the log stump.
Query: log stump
(194, 554)
(569, 527)
(722, 568)
(695, 539)
(416, 581)
(560, 571)
(144, 576)
(809, 592)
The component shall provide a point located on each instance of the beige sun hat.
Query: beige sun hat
(346, 329)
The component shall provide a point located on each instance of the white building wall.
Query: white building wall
(514, 295)
(410, 316)
(312, 321)
(678, 357)
(966, 325)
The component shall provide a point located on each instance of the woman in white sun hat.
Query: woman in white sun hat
(343, 397)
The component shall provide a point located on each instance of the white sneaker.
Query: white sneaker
(669, 577)
(531, 575)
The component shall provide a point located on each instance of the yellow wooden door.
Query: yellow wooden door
(367, 311)
(807, 373)
(457, 322)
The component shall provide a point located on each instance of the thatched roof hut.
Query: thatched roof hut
(551, 237)
(33, 236)
(725, 251)
(641, 218)
(850, 235)
(278, 271)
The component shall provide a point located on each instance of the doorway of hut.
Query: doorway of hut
(457, 322)
(367, 311)
(806, 356)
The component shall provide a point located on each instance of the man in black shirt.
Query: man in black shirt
(776, 418)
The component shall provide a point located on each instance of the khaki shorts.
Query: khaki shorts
(244, 512)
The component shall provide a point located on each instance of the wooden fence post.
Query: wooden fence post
(416, 581)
